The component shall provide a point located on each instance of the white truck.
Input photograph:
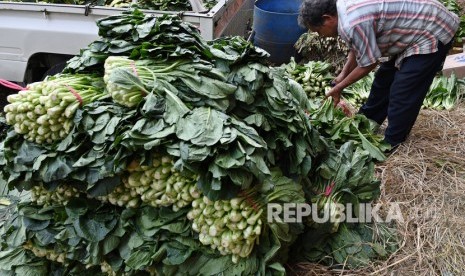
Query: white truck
(37, 38)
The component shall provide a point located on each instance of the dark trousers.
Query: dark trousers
(399, 93)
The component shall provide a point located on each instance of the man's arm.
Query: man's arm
(349, 66)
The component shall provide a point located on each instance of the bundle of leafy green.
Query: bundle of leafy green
(314, 76)
(313, 47)
(444, 93)
(226, 151)
(333, 123)
(140, 36)
(345, 176)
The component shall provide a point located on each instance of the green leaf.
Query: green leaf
(104, 186)
(27, 152)
(373, 150)
(202, 127)
(191, 153)
(58, 168)
(210, 88)
(33, 269)
(11, 258)
(46, 236)
(280, 230)
(126, 79)
(175, 108)
(91, 229)
(17, 237)
(35, 225)
(232, 159)
(154, 106)
(176, 253)
(240, 178)
(216, 265)
(260, 163)
(140, 258)
(248, 134)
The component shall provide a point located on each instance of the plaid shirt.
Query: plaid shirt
(401, 28)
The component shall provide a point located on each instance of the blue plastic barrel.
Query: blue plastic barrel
(276, 29)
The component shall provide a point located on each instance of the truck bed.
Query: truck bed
(33, 30)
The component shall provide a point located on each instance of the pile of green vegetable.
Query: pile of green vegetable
(444, 93)
(339, 128)
(346, 176)
(314, 76)
(159, 5)
(161, 184)
(330, 50)
(334, 122)
(44, 111)
(171, 172)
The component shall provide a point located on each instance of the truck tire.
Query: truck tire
(56, 69)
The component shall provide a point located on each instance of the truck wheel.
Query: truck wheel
(56, 69)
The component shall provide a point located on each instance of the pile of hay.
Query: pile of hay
(426, 176)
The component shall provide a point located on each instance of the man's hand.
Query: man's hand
(335, 93)
(355, 75)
